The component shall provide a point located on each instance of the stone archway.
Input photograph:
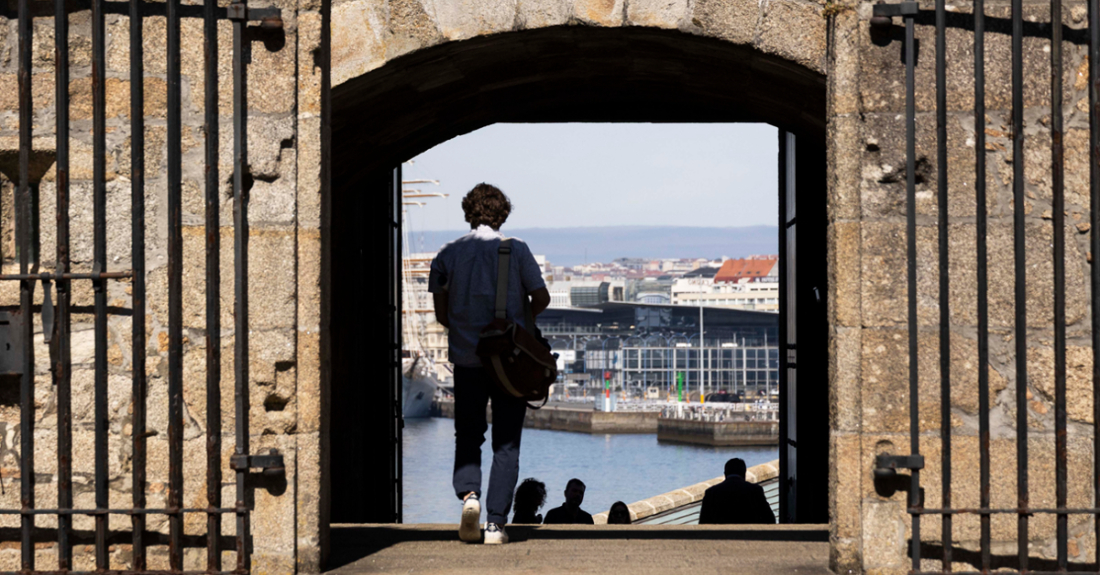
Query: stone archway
(406, 79)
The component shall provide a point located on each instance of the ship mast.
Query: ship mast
(413, 268)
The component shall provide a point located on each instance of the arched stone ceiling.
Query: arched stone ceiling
(404, 84)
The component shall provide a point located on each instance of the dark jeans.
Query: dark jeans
(473, 388)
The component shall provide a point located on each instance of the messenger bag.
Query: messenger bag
(518, 361)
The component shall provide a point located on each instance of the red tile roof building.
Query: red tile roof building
(747, 269)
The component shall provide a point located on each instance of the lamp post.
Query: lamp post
(702, 344)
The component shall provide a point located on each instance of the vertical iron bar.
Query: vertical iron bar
(1058, 195)
(62, 369)
(213, 293)
(981, 228)
(175, 295)
(944, 273)
(1020, 267)
(99, 242)
(1094, 244)
(911, 275)
(26, 388)
(137, 255)
(240, 279)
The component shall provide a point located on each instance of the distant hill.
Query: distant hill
(568, 246)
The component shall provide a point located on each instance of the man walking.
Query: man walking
(463, 283)
(735, 500)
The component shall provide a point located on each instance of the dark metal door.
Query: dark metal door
(788, 330)
(803, 369)
(113, 524)
(887, 465)
(366, 417)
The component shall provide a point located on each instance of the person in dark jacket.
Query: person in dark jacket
(735, 500)
(570, 513)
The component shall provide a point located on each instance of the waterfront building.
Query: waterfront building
(585, 292)
(749, 284)
(631, 347)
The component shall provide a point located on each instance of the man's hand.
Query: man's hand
(441, 304)
(540, 300)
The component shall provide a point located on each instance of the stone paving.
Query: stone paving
(633, 549)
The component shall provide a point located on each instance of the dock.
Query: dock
(563, 417)
(718, 433)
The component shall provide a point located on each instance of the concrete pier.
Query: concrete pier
(566, 418)
(718, 433)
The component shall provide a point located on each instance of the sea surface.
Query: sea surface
(614, 467)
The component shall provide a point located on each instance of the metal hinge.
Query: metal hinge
(270, 463)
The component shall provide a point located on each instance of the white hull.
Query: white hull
(418, 386)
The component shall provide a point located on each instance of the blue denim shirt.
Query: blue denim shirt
(466, 269)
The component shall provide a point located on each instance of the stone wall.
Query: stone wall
(868, 353)
(284, 105)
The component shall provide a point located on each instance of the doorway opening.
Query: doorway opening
(658, 246)
(580, 75)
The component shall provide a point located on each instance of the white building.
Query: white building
(749, 284)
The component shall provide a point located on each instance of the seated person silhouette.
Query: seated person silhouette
(619, 514)
(530, 496)
(735, 501)
(570, 513)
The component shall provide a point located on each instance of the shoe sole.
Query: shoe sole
(491, 540)
(468, 529)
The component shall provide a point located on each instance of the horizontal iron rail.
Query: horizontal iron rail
(136, 511)
(47, 276)
(1024, 511)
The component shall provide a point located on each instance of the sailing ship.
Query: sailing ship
(419, 376)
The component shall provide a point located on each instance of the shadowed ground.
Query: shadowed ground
(631, 549)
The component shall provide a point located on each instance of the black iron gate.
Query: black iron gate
(56, 319)
(888, 464)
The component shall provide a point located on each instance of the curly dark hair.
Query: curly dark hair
(486, 204)
(530, 495)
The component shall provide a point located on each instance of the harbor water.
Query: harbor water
(622, 467)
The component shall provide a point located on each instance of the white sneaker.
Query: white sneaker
(495, 534)
(468, 528)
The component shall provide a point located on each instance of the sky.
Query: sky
(570, 175)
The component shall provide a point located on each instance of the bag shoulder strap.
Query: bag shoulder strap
(504, 257)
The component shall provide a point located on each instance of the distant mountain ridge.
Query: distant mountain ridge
(568, 246)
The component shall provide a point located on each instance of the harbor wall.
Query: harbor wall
(581, 420)
(719, 433)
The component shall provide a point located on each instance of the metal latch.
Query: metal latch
(270, 463)
(11, 343)
(887, 466)
(270, 18)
